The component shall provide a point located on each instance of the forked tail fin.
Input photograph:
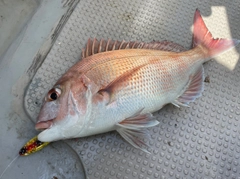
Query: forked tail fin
(202, 36)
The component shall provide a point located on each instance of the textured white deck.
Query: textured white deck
(197, 142)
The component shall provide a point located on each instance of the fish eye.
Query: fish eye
(53, 94)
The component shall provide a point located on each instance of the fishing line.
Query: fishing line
(8, 166)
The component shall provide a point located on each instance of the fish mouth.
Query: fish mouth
(42, 125)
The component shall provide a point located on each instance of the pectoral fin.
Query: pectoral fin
(193, 89)
(134, 129)
(89, 84)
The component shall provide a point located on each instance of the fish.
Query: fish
(32, 146)
(118, 86)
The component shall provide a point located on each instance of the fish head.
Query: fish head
(65, 109)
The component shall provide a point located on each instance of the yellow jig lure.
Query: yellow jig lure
(32, 146)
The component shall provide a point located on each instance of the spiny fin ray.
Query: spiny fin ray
(95, 46)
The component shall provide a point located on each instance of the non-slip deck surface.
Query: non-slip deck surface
(202, 141)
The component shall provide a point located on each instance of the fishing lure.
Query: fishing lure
(32, 146)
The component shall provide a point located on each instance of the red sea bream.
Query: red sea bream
(118, 85)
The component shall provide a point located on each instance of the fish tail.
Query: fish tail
(202, 36)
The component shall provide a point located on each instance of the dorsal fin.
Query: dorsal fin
(95, 46)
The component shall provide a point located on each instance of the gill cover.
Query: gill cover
(74, 109)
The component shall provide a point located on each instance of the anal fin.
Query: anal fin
(193, 89)
(134, 129)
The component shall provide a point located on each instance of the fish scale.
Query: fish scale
(119, 64)
(151, 85)
(119, 89)
(184, 136)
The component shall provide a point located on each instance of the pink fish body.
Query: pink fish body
(119, 88)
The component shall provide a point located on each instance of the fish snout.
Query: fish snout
(42, 125)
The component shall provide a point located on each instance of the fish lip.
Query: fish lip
(43, 125)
